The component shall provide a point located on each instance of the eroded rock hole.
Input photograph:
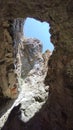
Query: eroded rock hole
(31, 65)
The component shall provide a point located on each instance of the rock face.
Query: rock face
(57, 113)
(30, 55)
(8, 85)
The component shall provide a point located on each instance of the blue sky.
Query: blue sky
(40, 30)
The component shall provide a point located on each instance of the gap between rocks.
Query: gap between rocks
(31, 69)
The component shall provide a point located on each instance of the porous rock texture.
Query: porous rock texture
(57, 112)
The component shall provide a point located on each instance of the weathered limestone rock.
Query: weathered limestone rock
(31, 55)
(58, 111)
(7, 75)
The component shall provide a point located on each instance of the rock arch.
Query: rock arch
(59, 109)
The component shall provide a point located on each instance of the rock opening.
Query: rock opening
(31, 68)
(36, 29)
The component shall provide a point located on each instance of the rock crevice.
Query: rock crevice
(31, 69)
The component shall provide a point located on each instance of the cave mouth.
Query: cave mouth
(36, 29)
(33, 76)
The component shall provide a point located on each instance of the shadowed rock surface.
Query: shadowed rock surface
(58, 111)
